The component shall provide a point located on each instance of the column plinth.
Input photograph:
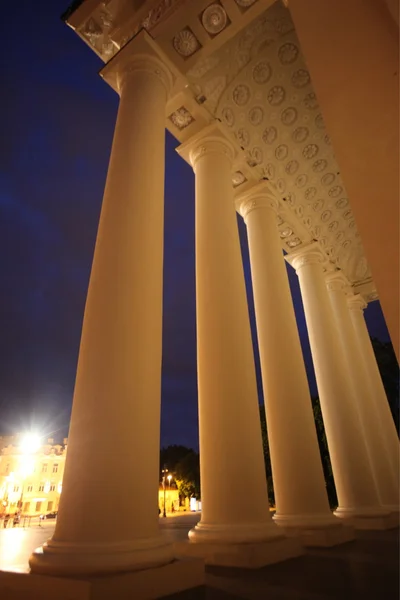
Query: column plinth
(116, 409)
(355, 486)
(300, 493)
(235, 512)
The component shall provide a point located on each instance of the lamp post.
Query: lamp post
(164, 471)
(169, 487)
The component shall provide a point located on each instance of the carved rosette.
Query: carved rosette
(186, 43)
(214, 19)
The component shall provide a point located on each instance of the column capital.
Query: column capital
(308, 255)
(356, 302)
(140, 54)
(336, 280)
(209, 140)
(254, 198)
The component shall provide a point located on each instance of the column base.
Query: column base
(322, 531)
(205, 533)
(66, 559)
(170, 579)
(368, 519)
(246, 556)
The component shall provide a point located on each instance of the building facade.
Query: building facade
(31, 482)
(284, 119)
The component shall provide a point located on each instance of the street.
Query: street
(17, 543)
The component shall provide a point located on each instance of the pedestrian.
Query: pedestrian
(6, 519)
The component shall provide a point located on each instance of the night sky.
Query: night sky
(57, 121)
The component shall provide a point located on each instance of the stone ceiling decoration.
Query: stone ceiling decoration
(214, 19)
(186, 43)
(259, 87)
(181, 118)
(103, 28)
(238, 178)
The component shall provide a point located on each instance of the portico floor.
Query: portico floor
(366, 569)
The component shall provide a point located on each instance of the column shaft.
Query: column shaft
(354, 482)
(113, 449)
(299, 486)
(234, 488)
(352, 51)
(383, 416)
(369, 417)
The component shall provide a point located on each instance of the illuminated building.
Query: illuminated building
(31, 477)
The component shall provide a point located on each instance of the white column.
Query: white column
(108, 518)
(368, 415)
(355, 486)
(353, 78)
(299, 486)
(383, 416)
(234, 489)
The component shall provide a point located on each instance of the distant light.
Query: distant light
(30, 443)
(169, 478)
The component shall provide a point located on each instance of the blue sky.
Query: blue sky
(55, 136)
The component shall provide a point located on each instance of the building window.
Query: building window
(41, 487)
(50, 506)
(55, 468)
(26, 506)
(29, 488)
(44, 468)
(38, 506)
(16, 488)
(53, 487)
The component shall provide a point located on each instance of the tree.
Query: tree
(267, 458)
(184, 465)
(325, 457)
(187, 475)
(389, 370)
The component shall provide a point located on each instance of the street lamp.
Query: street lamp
(164, 471)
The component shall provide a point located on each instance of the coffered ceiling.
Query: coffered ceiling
(240, 62)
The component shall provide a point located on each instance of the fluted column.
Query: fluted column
(301, 500)
(113, 445)
(363, 394)
(234, 488)
(383, 416)
(355, 486)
